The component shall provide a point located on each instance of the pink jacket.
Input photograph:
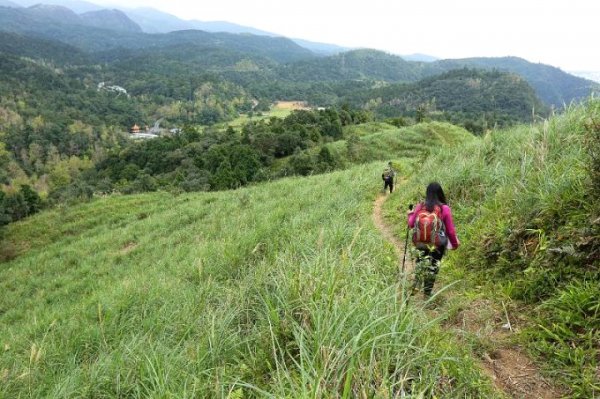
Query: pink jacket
(446, 218)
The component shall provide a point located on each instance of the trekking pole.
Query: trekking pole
(410, 207)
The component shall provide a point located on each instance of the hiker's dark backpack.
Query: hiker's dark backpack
(430, 231)
(388, 174)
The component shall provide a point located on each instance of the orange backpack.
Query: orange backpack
(429, 229)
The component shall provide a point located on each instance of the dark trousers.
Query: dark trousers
(428, 266)
(390, 183)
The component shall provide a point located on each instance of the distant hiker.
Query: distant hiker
(433, 232)
(388, 176)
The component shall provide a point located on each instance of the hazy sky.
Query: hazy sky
(560, 33)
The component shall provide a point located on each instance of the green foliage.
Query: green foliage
(353, 65)
(552, 85)
(217, 160)
(5, 217)
(18, 204)
(478, 100)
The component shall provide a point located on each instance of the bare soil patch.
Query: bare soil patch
(508, 366)
(291, 105)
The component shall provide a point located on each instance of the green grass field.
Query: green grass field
(287, 289)
(380, 141)
(277, 111)
(284, 289)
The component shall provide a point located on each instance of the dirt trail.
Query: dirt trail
(388, 234)
(510, 369)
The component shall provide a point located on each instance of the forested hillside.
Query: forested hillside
(353, 65)
(479, 100)
(552, 85)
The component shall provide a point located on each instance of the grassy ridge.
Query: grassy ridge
(525, 205)
(408, 142)
(378, 141)
(280, 290)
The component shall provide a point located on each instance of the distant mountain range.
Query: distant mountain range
(110, 34)
(79, 6)
(150, 20)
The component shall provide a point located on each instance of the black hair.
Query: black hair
(434, 195)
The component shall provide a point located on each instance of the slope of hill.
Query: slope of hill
(283, 289)
(79, 6)
(375, 141)
(554, 86)
(531, 239)
(155, 21)
(352, 65)
(40, 49)
(388, 142)
(53, 13)
(59, 23)
(111, 19)
(479, 98)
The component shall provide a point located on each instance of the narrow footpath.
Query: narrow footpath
(388, 234)
(511, 370)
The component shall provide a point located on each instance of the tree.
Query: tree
(4, 160)
(421, 113)
(32, 199)
(4, 215)
(15, 206)
(302, 163)
(325, 160)
(224, 177)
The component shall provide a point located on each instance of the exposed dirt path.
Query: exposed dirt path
(510, 369)
(388, 234)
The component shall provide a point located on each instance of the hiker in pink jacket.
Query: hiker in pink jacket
(433, 232)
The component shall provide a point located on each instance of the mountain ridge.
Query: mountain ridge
(114, 18)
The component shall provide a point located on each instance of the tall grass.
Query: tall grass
(527, 216)
(280, 290)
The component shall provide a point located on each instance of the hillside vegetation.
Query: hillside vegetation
(412, 143)
(552, 85)
(525, 205)
(281, 290)
(373, 141)
(479, 100)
